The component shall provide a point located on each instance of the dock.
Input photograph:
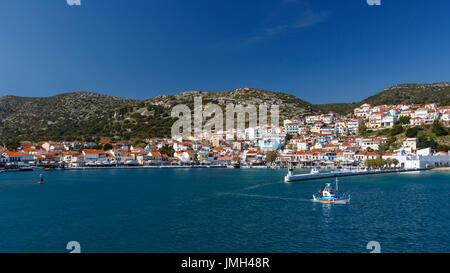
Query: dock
(303, 177)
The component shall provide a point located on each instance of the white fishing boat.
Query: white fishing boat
(331, 195)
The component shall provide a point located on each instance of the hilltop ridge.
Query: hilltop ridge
(409, 93)
(86, 114)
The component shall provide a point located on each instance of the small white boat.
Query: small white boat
(131, 162)
(314, 171)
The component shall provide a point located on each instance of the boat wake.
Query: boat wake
(271, 197)
(259, 186)
(239, 193)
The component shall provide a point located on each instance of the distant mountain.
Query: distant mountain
(398, 94)
(85, 115)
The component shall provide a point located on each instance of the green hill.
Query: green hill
(398, 94)
(85, 115)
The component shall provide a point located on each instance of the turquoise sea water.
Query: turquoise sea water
(220, 210)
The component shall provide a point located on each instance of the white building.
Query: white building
(18, 157)
(388, 121)
(353, 125)
(303, 146)
(410, 143)
(372, 143)
(363, 111)
(270, 144)
(422, 159)
(427, 116)
(446, 117)
(292, 128)
(312, 119)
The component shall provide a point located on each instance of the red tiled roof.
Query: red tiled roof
(93, 151)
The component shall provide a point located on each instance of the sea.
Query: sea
(184, 210)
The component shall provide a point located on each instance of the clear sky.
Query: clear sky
(322, 51)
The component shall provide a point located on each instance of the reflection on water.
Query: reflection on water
(327, 212)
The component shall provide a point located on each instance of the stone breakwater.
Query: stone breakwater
(303, 177)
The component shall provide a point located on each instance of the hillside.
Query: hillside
(85, 115)
(63, 115)
(289, 104)
(398, 94)
(412, 93)
(341, 108)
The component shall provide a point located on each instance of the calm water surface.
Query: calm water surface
(220, 210)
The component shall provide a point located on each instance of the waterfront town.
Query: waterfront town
(383, 136)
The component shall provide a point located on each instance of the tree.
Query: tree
(139, 143)
(397, 129)
(288, 137)
(443, 147)
(438, 129)
(377, 163)
(380, 162)
(369, 163)
(196, 161)
(389, 162)
(271, 156)
(12, 144)
(412, 132)
(404, 120)
(383, 148)
(286, 141)
(362, 130)
(425, 142)
(166, 149)
(107, 147)
(395, 162)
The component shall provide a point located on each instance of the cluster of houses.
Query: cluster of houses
(83, 154)
(332, 140)
(388, 115)
(329, 140)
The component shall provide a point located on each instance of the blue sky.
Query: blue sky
(322, 51)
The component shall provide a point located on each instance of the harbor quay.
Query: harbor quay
(290, 177)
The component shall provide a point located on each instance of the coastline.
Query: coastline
(116, 168)
(441, 169)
